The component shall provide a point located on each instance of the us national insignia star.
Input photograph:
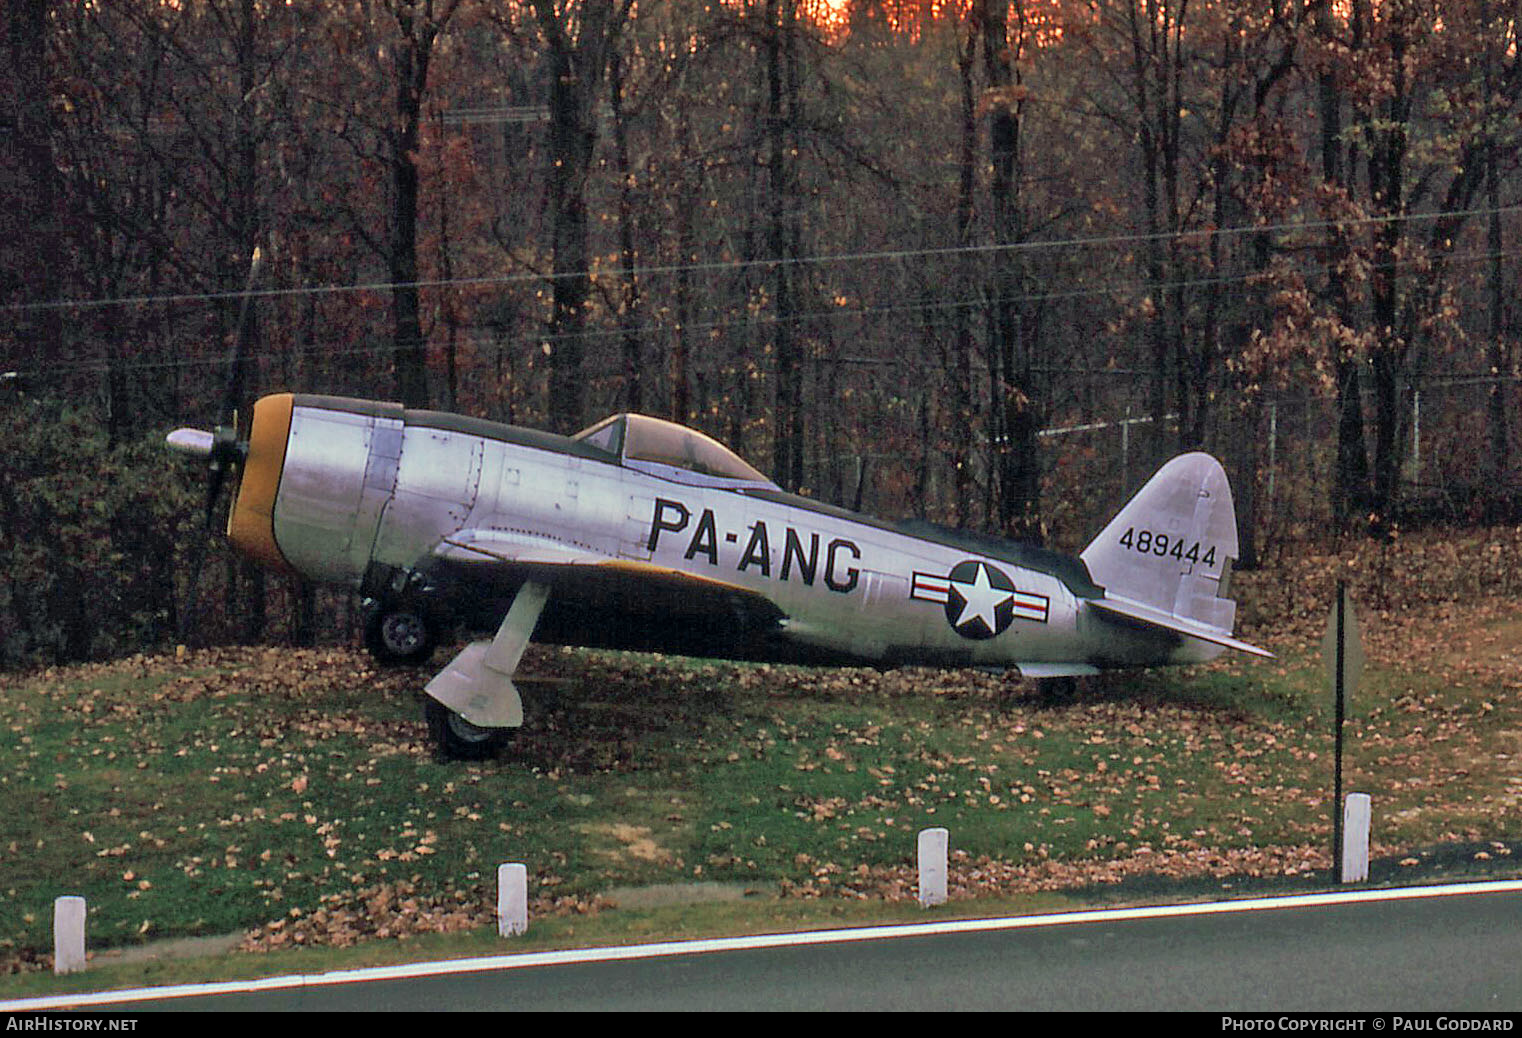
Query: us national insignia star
(980, 602)
(980, 599)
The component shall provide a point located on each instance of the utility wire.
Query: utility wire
(722, 266)
(330, 350)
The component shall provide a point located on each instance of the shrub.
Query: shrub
(88, 534)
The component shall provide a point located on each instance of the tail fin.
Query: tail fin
(1166, 558)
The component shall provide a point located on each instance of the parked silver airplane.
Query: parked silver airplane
(640, 533)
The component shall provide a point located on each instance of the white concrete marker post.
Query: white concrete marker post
(512, 900)
(1357, 815)
(68, 935)
(932, 850)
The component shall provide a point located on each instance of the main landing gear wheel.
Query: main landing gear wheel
(400, 636)
(1057, 691)
(458, 739)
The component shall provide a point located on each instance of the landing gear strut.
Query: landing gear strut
(472, 704)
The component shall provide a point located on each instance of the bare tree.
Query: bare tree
(579, 38)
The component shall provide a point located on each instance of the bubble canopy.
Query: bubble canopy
(672, 451)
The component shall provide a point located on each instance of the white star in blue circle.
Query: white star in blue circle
(981, 602)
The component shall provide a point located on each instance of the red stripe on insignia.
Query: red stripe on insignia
(1030, 606)
(930, 588)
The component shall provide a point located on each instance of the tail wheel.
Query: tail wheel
(400, 636)
(458, 739)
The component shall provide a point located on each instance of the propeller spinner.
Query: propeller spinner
(223, 452)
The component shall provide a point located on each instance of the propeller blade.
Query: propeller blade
(214, 482)
(238, 353)
(193, 593)
(220, 448)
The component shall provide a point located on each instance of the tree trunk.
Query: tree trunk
(629, 319)
(1350, 479)
(576, 66)
(962, 342)
(1387, 197)
(40, 247)
(1009, 338)
(409, 366)
(782, 233)
(1498, 459)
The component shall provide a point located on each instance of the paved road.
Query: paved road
(1434, 954)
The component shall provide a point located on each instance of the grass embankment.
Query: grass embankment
(292, 795)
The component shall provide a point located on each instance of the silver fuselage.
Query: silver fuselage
(369, 493)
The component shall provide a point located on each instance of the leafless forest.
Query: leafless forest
(981, 261)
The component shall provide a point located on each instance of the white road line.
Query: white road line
(723, 944)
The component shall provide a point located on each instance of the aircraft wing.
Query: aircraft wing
(577, 592)
(614, 585)
(1152, 617)
(518, 549)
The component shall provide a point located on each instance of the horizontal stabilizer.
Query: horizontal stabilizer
(1056, 670)
(1152, 617)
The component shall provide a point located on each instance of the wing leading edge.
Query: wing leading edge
(578, 574)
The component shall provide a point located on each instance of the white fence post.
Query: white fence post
(512, 900)
(932, 861)
(68, 934)
(1356, 817)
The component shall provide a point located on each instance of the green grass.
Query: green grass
(239, 789)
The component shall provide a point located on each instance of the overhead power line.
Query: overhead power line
(722, 266)
(940, 305)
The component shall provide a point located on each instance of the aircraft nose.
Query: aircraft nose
(251, 526)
